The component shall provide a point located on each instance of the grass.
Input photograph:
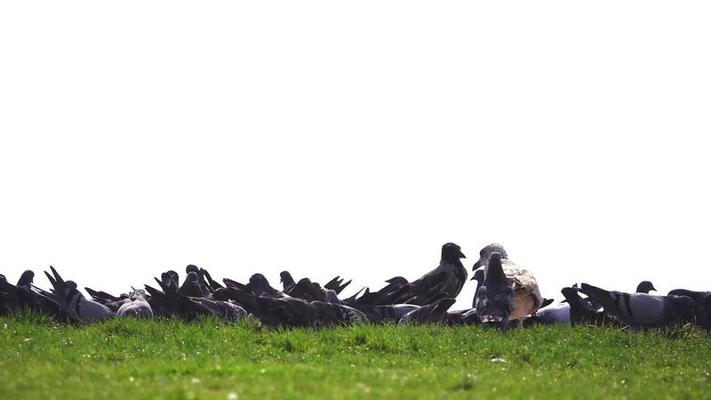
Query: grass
(127, 359)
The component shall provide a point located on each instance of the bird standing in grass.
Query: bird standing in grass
(444, 281)
(506, 280)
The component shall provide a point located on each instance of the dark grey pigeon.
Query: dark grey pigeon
(446, 280)
(494, 298)
(287, 281)
(204, 286)
(645, 287)
(191, 287)
(26, 279)
(642, 310)
(77, 307)
(435, 313)
(479, 278)
(307, 290)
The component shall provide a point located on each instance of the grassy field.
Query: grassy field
(125, 359)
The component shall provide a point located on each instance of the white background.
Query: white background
(355, 138)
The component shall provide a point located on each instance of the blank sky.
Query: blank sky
(355, 139)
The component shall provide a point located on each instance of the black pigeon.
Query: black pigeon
(446, 280)
(435, 313)
(479, 278)
(642, 310)
(494, 298)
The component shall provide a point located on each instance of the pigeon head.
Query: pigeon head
(258, 280)
(171, 278)
(645, 287)
(286, 278)
(487, 251)
(452, 252)
(260, 285)
(478, 276)
(494, 298)
(191, 268)
(26, 278)
(137, 294)
(192, 277)
(332, 297)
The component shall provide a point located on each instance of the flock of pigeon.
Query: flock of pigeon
(507, 296)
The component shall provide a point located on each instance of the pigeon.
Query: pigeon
(332, 297)
(136, 306)
(446, 280)
(78, 308)
(702, 305)
(645, 287)
(26, 279)
(435, 313)
(479, 278)
(171, 302)
(526, 295)
(205, 288)
(191, 286)
(287, 281)
(494, 298)
(307, 290)
(554, 314)
(639, 310)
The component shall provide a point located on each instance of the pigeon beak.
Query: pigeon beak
(477, 264)
(461, 255)
(653, 288)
